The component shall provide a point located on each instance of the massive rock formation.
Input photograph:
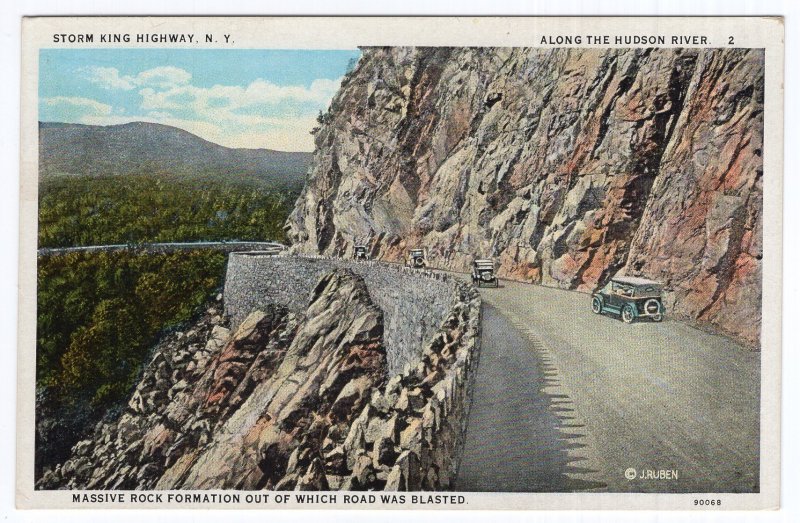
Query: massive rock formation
(228, 414)
(289, 401)
(568, 165)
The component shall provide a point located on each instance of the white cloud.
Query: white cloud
(162, 77)
(260, 93)
(264, 92)
(109, 78)
(261, 114)
(77, 106)
(165, 76)
(158, 114)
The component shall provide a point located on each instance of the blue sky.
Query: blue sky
(237, 98)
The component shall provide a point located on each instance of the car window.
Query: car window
(622, 290)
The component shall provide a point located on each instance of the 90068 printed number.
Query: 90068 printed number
(708, 502)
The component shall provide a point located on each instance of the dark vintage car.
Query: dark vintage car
(483, 273)
(416, 259)
(630, 298)
(360, 252)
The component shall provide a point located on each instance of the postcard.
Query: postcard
(400, 263)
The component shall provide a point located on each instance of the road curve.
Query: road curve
(566, 400)
(602, 397)
(167, 247)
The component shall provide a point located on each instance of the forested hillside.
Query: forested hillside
(75, 211)
(100, 314)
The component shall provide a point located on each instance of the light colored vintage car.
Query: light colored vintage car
(360, 252)
(483, 273)
(417, 259)
(631, 298)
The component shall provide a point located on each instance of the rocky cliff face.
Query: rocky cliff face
(229, 413)
(289, 401)
(567, 165)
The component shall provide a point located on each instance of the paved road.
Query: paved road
(566, 400)
(519, 439)
(167, 247)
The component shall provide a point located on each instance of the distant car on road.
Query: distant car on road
(417, 259)
(360, 252)
(630, 298)
(483, 273)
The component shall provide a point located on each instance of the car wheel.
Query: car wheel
(627, 314)
(657, 317)
(597, 305)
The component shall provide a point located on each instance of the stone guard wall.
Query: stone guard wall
(416, 422)
(414, 302)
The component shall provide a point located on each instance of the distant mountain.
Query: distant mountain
(149, 148)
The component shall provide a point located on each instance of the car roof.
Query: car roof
(634, 280)
(414, 251)
(484, 262)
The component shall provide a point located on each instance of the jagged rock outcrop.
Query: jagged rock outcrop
(414, 302)
(567, 165)
(230, 413)
(289, 401)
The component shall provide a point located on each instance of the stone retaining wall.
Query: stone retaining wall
(414, 302)
(423, 411)
(410, 435)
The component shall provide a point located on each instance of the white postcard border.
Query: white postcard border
(347, 33)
